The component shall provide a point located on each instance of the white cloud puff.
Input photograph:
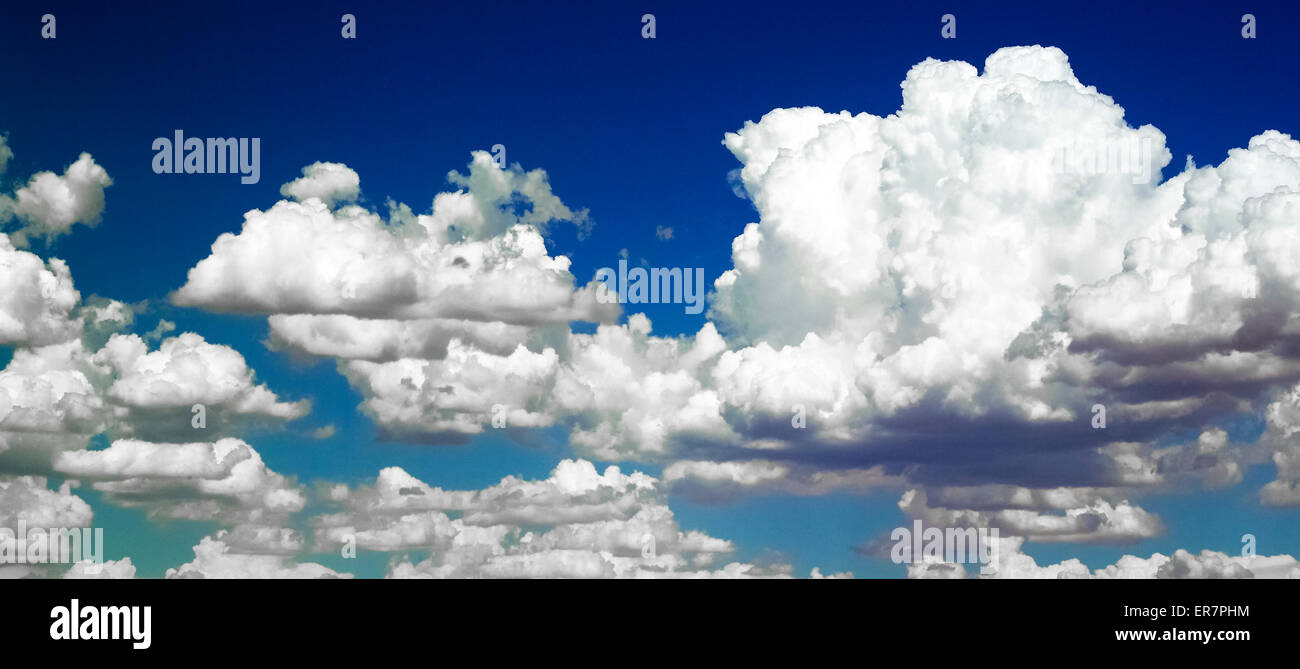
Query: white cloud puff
(36, 298)
(213, 558)
(48, 403)
(154, 391)
(457, 396)
(472, 258)
(383, 340)
(224, 481)
(50, 204)
(108, 569)
(577, 523)
(1208, 564)
(1098, 521)
(128, 458)
(327, 182)
(29, 499)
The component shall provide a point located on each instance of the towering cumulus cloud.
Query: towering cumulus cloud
(945, 290)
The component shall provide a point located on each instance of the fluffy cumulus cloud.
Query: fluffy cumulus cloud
(37, 298)
(224, 481)
(479, 255)
(108, 569)
(716, 481)
(951, 289)
(29, 511)
(154, 392)
(215, 557)
(73, 376)
(441, 320)
(444, 400)
(1282, 435)
(327, 182)
(1012, 562)
(949, 292)
(49, 403)
(30, 500)
(55, 398)
(1062, 515)
(384, 340)
(128, 458)
(578, 523)
(50, 204)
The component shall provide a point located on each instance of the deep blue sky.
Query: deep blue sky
(629, 128)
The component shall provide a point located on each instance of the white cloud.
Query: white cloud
(224, 481)
(164, 326)
(154, 392)
(1282, 436)
(578, 523)
(343, 336)
(213, 558)
(327, 182)
(109, 569)
(29, 499)
(628, 392)
(36, 298)
(472, 258)
(50, 204)
(128, 458)
(1208, 564)
(705, 480)
(55, 398)
(183, 371)
(263, 540)
(48, 404)
(1100, 521)
(1013, 563)
(441, 400)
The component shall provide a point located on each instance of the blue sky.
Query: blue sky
(627, 128)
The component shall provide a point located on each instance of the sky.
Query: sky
(917, 246)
